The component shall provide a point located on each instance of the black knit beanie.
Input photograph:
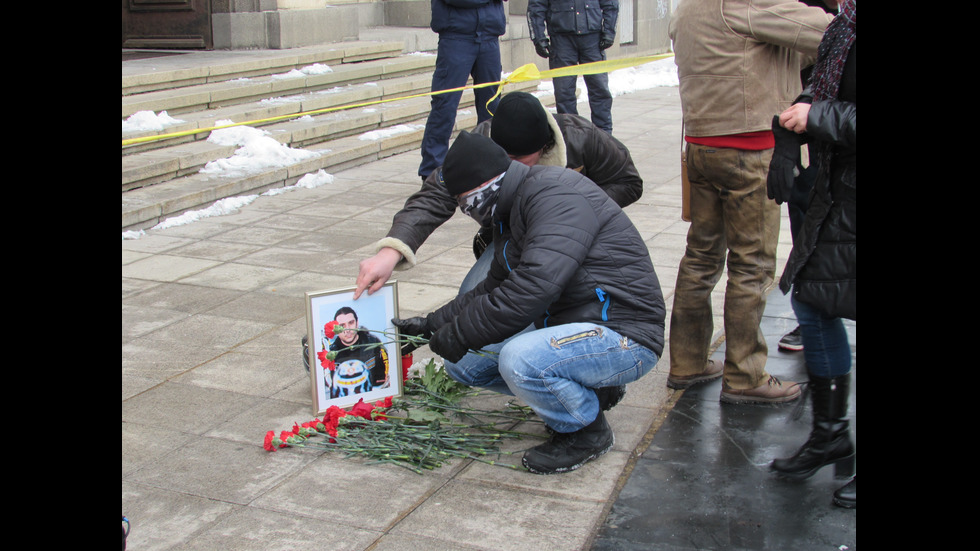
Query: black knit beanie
(472, 160)
(520, 124)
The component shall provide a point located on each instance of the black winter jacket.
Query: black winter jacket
(564, 252)
(822, 267)
(584, 148)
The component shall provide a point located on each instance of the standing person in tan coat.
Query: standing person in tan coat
(739, 65)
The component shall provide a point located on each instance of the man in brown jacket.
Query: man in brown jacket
(739, 65)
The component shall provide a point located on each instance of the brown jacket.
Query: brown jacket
(739, 61)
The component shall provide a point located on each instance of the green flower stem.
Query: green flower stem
(408, 339)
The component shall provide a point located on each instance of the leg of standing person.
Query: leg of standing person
(564, 52)
(691, 320)
(600, 98)
(730, 210)
(751, 231)
(486, 68)
(828, 362)
(796, 207)
(454, 62)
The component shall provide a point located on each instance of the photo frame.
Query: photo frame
(355, 371)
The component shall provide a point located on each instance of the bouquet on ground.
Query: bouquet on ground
(420, 430)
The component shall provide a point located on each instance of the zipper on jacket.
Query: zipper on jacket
(604, 299)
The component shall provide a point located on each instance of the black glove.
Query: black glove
(543, 47)
(412, 327)
(785, 165)
(606, 42)
(445, 342)
(481, 241)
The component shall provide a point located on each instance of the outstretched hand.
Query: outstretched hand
(376, 271)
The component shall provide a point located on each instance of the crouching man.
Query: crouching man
(571, 309)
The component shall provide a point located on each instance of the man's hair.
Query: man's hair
(345, 310)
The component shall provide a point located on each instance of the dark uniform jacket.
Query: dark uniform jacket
(477, 20)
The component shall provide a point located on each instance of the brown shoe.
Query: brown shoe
(712, 370)
(773, 391)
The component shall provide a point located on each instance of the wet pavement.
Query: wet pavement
(704, 480)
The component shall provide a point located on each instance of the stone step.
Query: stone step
(376, 77)
(279, 108)
(179, 185)
(150, 205)
(194, 68)
(240, 90)
(183, 155)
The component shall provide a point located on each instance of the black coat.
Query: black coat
(822, 268)
(564, 252)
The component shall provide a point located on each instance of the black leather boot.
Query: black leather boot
(565, 452)
(830, 439)
(847, 495)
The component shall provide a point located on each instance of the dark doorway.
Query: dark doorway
(162, 24)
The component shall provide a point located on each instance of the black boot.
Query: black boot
(609, 396)
(847, 495)
(830, 439)
(565, 452)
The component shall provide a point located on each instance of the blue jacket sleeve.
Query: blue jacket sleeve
(537, 11)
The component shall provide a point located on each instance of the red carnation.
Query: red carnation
(331, 328)
(362, 409)
(269, 443)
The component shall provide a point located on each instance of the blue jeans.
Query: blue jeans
(555, 369)
(825, 347)
(479, 271)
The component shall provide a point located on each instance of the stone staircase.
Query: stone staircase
(272, 90)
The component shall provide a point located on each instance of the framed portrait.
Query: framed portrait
(354, 353)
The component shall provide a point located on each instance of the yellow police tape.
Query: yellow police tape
(523, 73)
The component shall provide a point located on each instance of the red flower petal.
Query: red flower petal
(362, 409)
(267, 444)
(331, 329)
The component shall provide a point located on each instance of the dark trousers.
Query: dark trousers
(456, 61)
(571, 49)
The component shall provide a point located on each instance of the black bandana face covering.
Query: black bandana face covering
(480, 203)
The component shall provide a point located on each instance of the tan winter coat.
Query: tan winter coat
(739, 61)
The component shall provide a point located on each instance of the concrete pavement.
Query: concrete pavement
(212, 315)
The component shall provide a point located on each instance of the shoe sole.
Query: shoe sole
(571, 468)
(847, 462)
(845, 503)
(790, 347)
(689, 383)
(739, 399)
